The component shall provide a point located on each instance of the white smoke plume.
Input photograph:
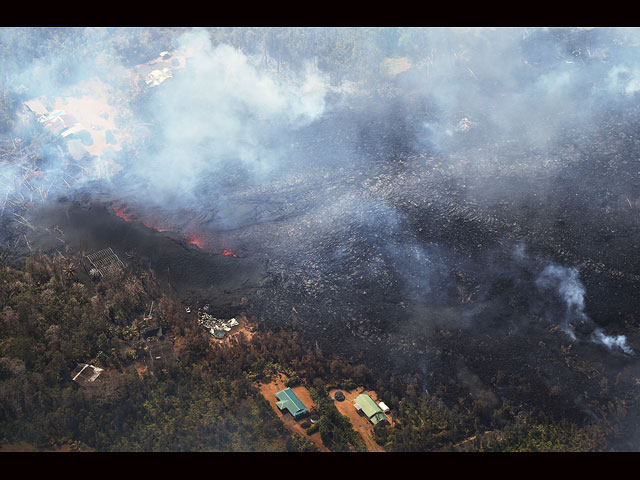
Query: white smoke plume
(565, 282)
(224, 111)
(612, 342)
(229, 114)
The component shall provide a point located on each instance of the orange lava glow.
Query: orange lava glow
(229, 252)
(121, 213)
(148, 224)
(196, 240)
(127, 217)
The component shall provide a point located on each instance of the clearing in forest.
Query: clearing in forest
(360, 423)
(269, 391)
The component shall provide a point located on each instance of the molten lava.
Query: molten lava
(122, 214)
(149, 224)
(196, 240)
(229, 252)
(127, 217)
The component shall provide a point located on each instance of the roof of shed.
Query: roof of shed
(370, 408)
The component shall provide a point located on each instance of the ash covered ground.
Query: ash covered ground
(421, 234)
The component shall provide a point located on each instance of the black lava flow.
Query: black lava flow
(381, 254)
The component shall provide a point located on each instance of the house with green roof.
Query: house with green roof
(365, 405)
(289, 401)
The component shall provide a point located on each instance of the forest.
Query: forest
(205, 399)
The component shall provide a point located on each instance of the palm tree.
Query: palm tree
(70, 271)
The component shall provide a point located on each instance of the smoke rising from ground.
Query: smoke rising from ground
(344, 165)
(564, 282)
(481, 90)
(222, 114)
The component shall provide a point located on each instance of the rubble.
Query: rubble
(156, 77)
(217, 327)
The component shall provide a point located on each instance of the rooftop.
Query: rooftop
(370, 408)
(152, 332)
(288, 400)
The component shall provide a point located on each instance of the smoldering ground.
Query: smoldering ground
(387, 208)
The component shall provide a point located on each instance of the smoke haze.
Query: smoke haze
(396, 182)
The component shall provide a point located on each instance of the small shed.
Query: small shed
(383, 407)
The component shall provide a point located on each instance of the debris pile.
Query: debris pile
(215, 326)
(156, 77)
